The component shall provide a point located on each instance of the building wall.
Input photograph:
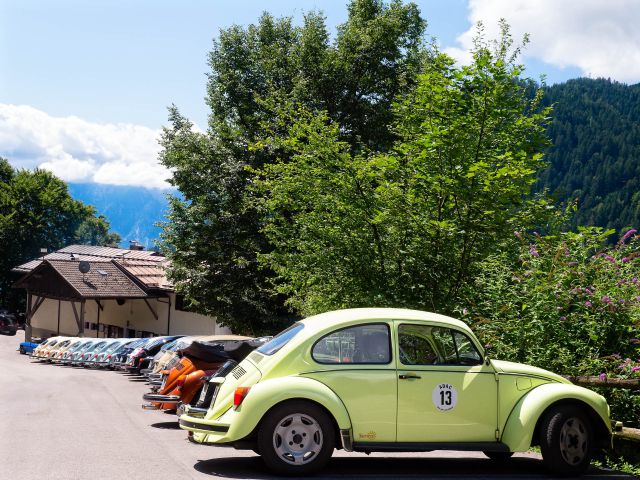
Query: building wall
(133, 317)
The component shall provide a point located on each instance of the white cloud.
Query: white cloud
(599, 37)
(80, 151)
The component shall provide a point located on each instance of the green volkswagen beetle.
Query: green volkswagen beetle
(393, 380)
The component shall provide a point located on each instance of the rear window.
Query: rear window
(280, 340)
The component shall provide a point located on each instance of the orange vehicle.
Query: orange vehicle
(200, 359)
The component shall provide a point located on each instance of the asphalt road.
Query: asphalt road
(71, 423)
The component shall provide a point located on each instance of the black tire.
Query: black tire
(499, 456)
(316, 435)
(22, 350)
(566, 440)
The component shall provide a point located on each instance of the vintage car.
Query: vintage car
(57, 353)
(206, 358)
(170, 358)
(8, 324)
(27, 348)
(139, 358)
(385, 380)
(91, 361)
(42, 352)
(104, 357)
(119, 359)
(67, 355)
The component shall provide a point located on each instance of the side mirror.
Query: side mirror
(489, 352)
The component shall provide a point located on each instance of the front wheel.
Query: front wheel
(296, 438)
(22, 350)
(566, 440)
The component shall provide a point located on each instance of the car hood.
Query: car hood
(526, 370)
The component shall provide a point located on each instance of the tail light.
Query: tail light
(239, 396)
(109, 357)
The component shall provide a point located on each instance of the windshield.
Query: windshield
(114, 346)
(93, 347)
(280, 340)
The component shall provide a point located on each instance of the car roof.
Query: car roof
(336, 318)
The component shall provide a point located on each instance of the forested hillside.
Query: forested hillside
(595, 153)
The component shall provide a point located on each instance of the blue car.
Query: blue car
(29, 347)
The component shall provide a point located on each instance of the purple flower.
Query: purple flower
(562, 319)
(465, 311)
(627, 235)
(610, 258)
(518, 235)
(625, 259)
(606, 299)
(635, 369)
(634, 280)
(588, 304)
(602, 377)
(587, 291)
(533, 252)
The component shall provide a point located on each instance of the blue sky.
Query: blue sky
(84, 85)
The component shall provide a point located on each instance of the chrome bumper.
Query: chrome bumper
(155, 397)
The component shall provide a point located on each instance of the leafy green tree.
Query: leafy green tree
(213, 235)
(95, 231)
(405, 227)
(36, 211)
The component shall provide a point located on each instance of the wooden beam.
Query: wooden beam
(100, 305)
(596, 381)
(39, 302)
(27, 327)
(82, 317)
(153, 312)
(75, 314)
(628, 434)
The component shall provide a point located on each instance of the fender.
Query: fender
(266, 394)
(519, 428)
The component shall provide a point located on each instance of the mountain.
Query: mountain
(133, 212)
(595, 156)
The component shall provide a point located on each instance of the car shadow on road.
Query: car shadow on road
(376, 467)
(166, 425)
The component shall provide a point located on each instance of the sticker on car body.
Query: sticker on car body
(444, 397)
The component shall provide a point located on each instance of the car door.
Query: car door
(445, 392)
(357, 364)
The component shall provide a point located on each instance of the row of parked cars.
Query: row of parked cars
(362, 380)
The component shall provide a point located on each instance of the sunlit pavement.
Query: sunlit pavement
(71, 423)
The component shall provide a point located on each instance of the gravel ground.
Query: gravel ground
(71, 423)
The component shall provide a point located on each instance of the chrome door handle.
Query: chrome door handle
(407, 377)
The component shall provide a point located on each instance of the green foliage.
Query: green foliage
(568, 303)
(596, 144)
(214, 236)
(94, 230)
(36, 211)
(404, 227)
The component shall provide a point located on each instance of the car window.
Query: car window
(362, 344)
(280, 340)
(429, 345)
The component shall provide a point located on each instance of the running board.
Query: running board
(429, 446)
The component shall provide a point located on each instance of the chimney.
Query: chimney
(135, 245)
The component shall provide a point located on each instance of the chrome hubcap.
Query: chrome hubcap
(574, 441)
(297, 439)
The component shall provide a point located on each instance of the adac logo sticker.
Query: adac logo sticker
(444, 397)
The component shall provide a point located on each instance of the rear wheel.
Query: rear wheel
(499, 456)
(566, 440)
(296, 438)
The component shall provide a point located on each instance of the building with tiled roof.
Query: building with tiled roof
(105, 292)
